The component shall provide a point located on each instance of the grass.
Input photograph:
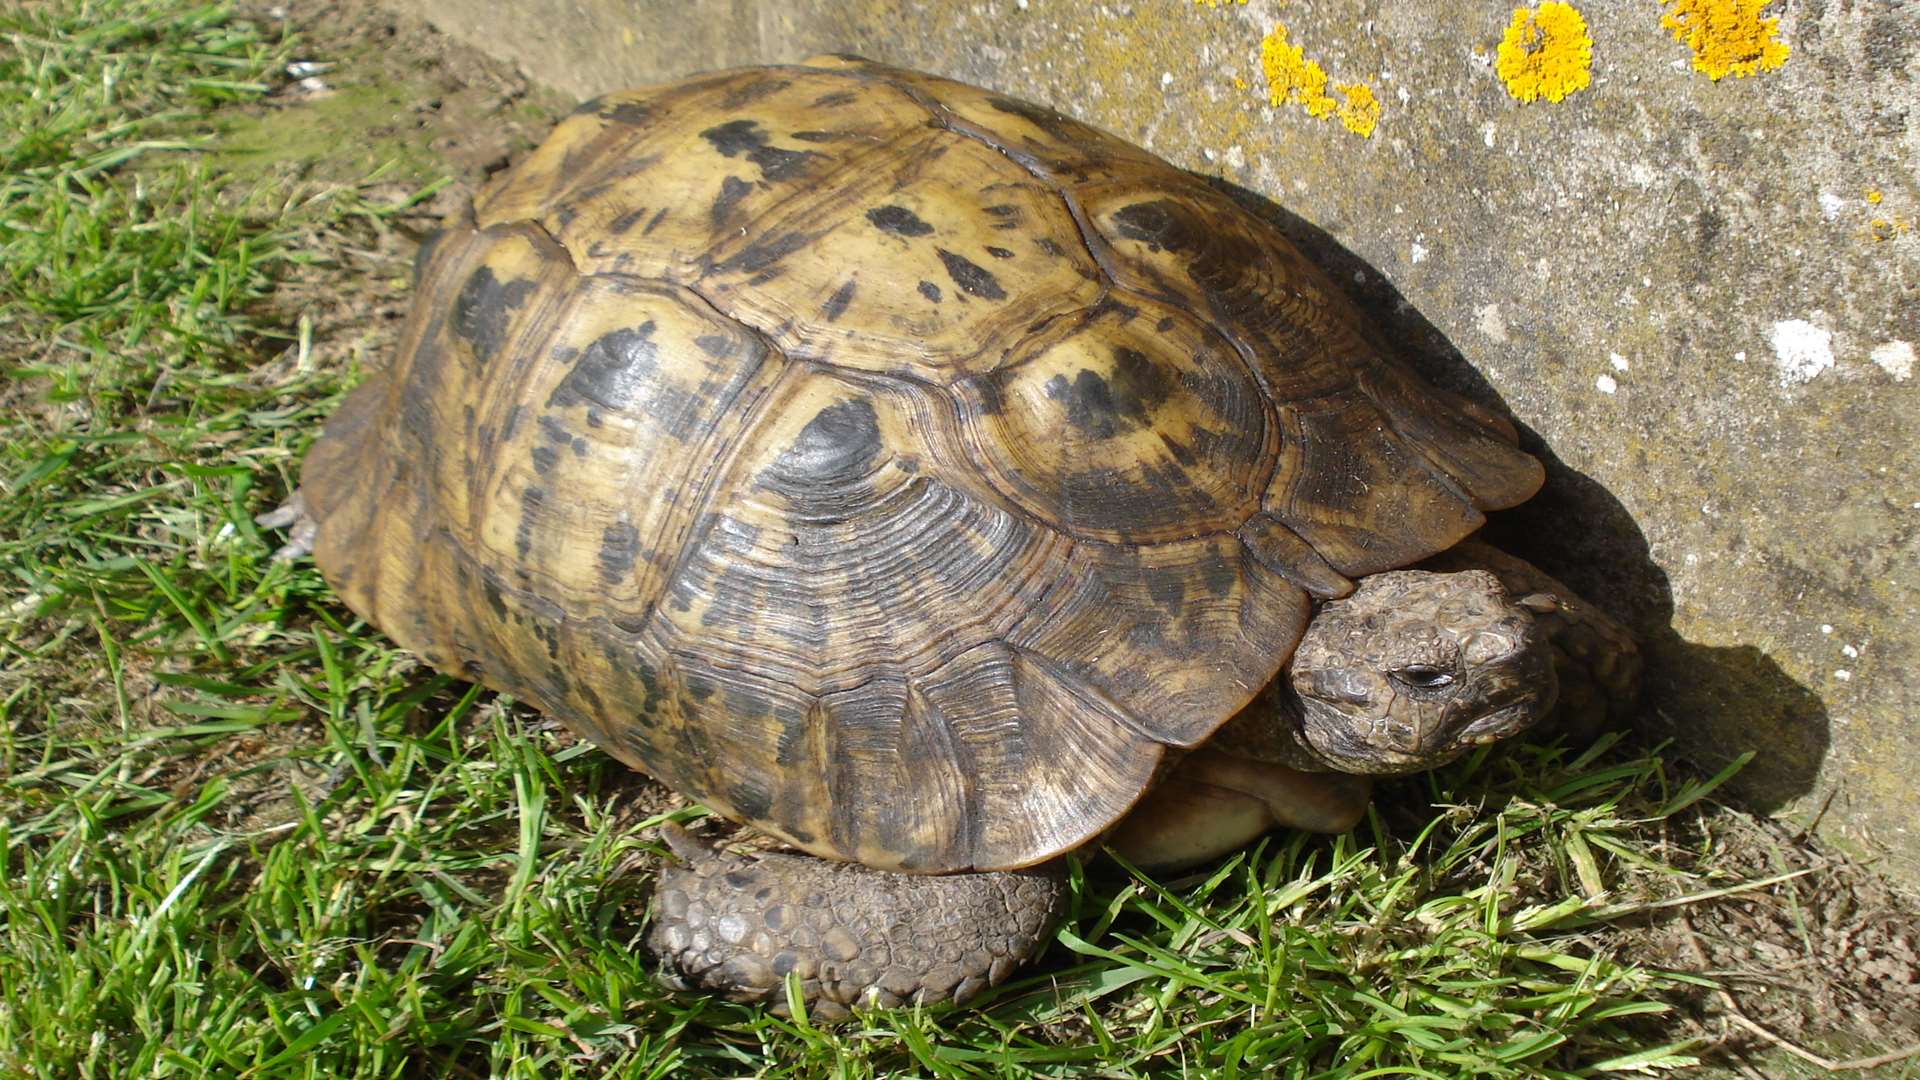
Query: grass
(242, 835)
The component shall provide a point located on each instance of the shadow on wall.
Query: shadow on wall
(1716, 702)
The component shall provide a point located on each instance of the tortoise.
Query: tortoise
(937, 485)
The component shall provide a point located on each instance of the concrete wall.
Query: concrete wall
(1680, 286)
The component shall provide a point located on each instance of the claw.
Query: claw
(301, 528)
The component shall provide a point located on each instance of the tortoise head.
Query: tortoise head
(1413, 668)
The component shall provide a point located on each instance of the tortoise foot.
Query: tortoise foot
(301, 527)
(854, 936)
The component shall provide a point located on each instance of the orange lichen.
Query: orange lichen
(1545, 53)
(1293, 77)
(1728, 37)
(1360, 112)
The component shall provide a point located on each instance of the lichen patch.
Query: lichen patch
(1545, 53)
(1727, 37)
(1291, 77)
(1895, 358)
(1801, 351)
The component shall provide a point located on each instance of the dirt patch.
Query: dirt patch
(1829, 960)
(376, 96)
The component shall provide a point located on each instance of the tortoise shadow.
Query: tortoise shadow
(1715, 701)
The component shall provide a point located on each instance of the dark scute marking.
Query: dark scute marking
(993, 399)
(836, 304)
(1049, 247)
(578, 446)
(898, 220)
(732, 190)
(565, 216)
(627, 112)
(1158, 224)
(531, 503)
(591, 105)
(751, 799)
(1104, 408)
(836, 99)
(816, 136)
(754, 91)
(483, 308)
(1003, 210)
(619, 544)
(1053, 123)
(735, 137)
(627, 220)
(836, 448)
(495, 600)
(610, 371)
(1167, 590)
(553, 429)
(655, 221)
(744, 138)
(931, 291)
(544, 458)
(1000, 253)
(971, 278)
(1164, 325)
(423, 254)
(714, 345)
(512, 423)
(760, 255)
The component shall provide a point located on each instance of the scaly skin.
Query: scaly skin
(854, 936)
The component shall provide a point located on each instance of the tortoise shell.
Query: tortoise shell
(898, 467)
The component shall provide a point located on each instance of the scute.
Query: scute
(1133, 424)
(897, 466)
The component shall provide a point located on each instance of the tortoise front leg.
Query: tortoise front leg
(301, 527)
(855, 936)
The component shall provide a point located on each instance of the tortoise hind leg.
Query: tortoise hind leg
(855, 936)
(1594, 655)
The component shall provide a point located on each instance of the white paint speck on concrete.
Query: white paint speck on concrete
(1843, 674)
(1166, 79)
(1801, 350)
(1826, 628)
(1489, 322)
(1619, 362)
(1895, 358)
(1849, 651)
(1417, 252)
(1605, 384)
(1831, 205)
(1487, 133)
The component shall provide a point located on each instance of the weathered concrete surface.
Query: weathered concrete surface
(1652, 275)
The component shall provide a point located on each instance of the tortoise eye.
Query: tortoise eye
(1423, 677)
